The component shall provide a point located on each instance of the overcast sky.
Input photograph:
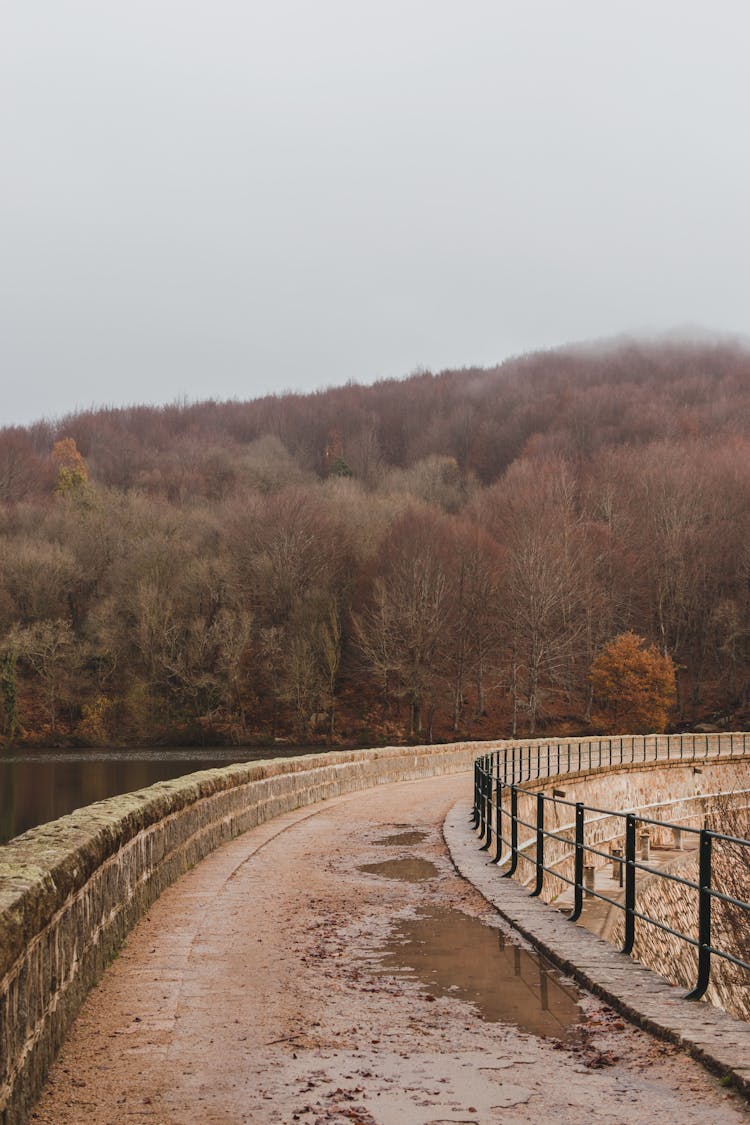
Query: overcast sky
(221, 199)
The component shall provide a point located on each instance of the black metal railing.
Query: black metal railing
(499, 793)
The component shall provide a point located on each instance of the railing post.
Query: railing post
(704, 917)
(481, 800)
(578, 870)
(627, 946)
(487, 811)
(539, 845)
(513, 832)
(498, 821)
(475, 814)
(488, 807)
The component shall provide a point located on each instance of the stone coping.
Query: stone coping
(717, 1040)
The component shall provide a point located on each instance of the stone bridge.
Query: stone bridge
(71, 891)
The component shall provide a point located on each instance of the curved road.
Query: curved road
(262, 987)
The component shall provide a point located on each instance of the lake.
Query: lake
(38, 786)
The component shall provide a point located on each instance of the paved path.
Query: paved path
(256, 991)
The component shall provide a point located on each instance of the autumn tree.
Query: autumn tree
(292, 561)
(473, 647)
(72, 472)
(634, 686)
(48, 650)
(36, 579)
(23, 472)
(405, 630)
(9, 691)
(533, 513)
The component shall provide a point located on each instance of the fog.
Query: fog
(221, 200)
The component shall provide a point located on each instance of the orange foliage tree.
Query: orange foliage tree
(71, 467)
(633, 686)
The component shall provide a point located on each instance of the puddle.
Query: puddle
(404, 839)
(458, 956)
(410, 870)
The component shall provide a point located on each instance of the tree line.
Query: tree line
(441, 556)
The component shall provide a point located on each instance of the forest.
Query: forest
(441, 556)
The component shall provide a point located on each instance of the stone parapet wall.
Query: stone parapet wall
(678, 792)
(661, 791)
(70, 891)
(676, 906)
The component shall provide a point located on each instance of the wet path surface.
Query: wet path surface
(280, 982)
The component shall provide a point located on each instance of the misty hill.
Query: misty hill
(440, 555)
(570, 403)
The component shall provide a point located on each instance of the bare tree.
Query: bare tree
(49, 650)
(543, 607)
(403, 631)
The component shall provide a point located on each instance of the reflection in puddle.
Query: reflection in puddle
(404, 839)
(410, 870)
(458, 956)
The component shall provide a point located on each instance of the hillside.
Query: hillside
(436, 556)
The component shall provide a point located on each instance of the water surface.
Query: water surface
(455, 955)
(410, 870)
(41, 785)
(403, 839)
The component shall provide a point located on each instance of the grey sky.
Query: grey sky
(220, 199)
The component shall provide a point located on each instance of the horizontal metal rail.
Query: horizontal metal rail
(499, 779)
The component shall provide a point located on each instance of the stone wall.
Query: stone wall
(672, 792)
(71, 890)
(676, 906)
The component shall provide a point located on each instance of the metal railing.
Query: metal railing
(499, 780)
